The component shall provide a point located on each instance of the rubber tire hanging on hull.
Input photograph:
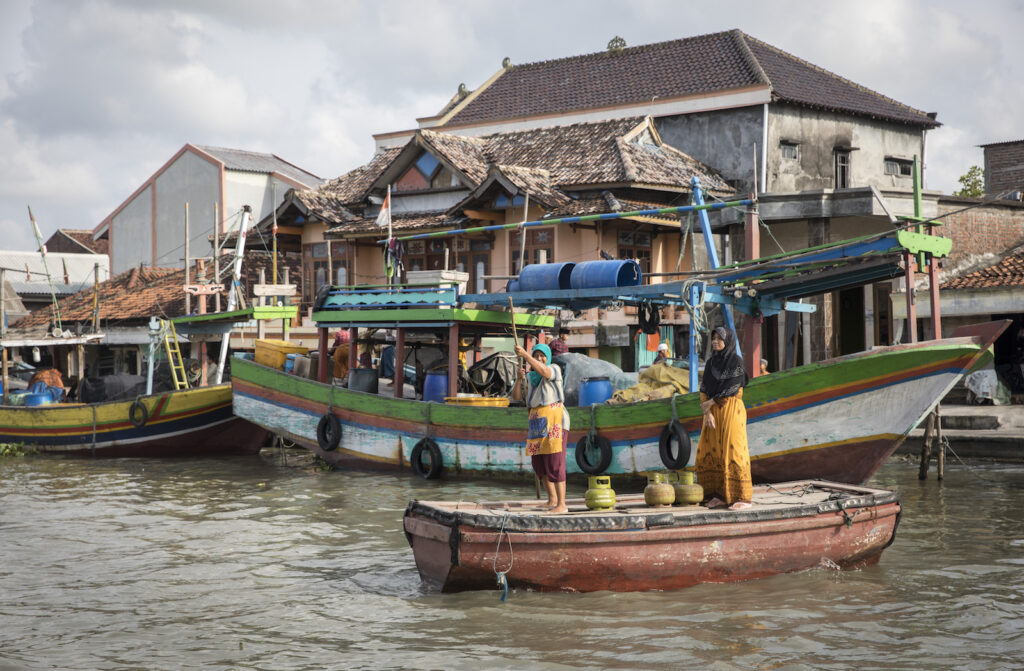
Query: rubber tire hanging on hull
(416, 459)
(674, 429)
(133, 409)
(604, 448)
(328, 433)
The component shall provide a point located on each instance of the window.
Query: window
(899, 167)
(424, 174)
(316, 266)
(789, 150)
(536, 240)
(474, 257)
(636, 245)
(842, 157)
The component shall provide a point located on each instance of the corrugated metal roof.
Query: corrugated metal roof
(251, 161)
(79, 267)
(43, 289)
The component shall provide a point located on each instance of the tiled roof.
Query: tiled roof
(140, 293)
(1007, 273)
(716, 62)
(468, 154)
(251, 161)
(996, 144)
(404, 222)
(597, 153)
(332, 200)
(84, 238)
(544, 162)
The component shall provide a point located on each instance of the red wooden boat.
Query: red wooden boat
(791, 526)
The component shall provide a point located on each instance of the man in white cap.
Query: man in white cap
(662, 354)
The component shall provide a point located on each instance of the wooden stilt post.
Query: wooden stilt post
(941, 466)
(453, 360)
(399, 363)
(926, 447)
(353, 348)
(321, 371)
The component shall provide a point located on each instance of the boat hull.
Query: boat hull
(660, 551)
(835, 420)
(190, 422)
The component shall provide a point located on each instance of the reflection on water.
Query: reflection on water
(252, 563)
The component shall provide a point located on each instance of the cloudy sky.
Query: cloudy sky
(95, 95)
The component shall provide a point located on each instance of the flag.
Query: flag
(384, 217)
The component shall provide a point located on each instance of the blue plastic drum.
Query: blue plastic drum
(38, 399)
(601, 274)
(546, 276)
(435, 387)
(594, 390)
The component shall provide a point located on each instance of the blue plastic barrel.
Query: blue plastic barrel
(546, 276)
(435, 387)
(512, 285)
(594, 390)
(38, 399)
(599, 274)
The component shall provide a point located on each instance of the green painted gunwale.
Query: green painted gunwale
(801, 381)
(421, 315)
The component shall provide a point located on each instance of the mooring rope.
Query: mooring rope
(500, 575)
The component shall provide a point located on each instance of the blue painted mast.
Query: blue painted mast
(705, 227)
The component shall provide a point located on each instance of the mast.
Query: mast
(46, 267)
(235, 275)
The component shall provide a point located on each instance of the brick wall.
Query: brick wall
(1004, 167)
(988, 229)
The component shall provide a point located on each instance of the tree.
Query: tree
(973, 183)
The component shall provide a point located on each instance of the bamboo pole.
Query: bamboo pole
(580, 219)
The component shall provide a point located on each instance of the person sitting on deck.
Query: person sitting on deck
(559, 344)
(548, 434)
(723, 460)
(662, 355)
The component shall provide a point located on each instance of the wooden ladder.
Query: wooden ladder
(174, 356)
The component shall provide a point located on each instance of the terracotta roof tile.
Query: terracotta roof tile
(84, 238)
(404, 222)
(140, 293)
(332, 200)
(1007, 273)
(694, 65)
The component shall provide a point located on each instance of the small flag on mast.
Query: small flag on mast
(384, 217)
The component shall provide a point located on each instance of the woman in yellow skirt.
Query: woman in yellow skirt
(548, 432)
(723, 461)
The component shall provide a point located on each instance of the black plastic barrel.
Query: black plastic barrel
(363, 379)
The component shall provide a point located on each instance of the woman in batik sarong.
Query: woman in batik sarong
(723, 461)
(548, 433)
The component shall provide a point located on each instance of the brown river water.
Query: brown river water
(266, 563)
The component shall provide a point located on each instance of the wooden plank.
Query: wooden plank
(274, 290)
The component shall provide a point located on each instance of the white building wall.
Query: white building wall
(131, 233)
(193, 180)
(818, 133)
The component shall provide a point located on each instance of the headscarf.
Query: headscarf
(723, 373)
(534, 375)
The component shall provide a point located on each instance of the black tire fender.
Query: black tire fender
(328, 433)
(138, 414)
(433, 469)
(676, 430)
(604, 449)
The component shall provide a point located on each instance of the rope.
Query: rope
(500, 575)
(697, 313)
(970, 469)
(672, 403)
(93, 430)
